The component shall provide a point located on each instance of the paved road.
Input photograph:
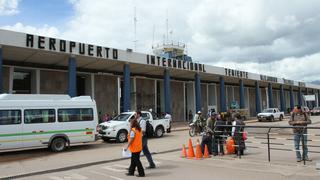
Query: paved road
(170, 166)
(101, 154)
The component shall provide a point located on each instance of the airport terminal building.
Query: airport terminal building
(122, 80)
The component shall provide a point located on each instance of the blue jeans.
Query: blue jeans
(146, 151)
(297, 138)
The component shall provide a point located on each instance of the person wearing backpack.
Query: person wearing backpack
(145, 149)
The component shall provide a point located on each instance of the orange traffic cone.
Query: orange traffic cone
(198, 151)
(184, 152)
(190, 150)
(206, 152)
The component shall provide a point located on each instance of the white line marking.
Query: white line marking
(55, 178)
(121, 165)
(105, 175)
(69, 177)
(113, 169)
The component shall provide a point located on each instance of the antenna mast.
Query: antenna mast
(167, 26)
(135, 29)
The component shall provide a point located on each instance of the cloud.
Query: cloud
(303, 68)
(279, 38)
(9, 7)
(45, 30)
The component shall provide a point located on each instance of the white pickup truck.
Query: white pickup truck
(270, 114)
(118, 127)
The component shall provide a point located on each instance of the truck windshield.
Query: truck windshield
(121, 117)
(268, 111)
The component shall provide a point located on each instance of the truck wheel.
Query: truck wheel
(58, 145)
(159, 131)
(122, 136)
(281, 118)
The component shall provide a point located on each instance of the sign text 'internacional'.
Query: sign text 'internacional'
(59, 45)
(175, 63)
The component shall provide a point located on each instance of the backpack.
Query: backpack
(149, 129)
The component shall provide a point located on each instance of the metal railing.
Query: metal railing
(268, 133)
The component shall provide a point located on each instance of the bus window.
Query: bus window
(32, 116)
(71, 115)
(8, 117)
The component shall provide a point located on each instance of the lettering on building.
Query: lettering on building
(175, 64)
(59, 45)
(236, 73)
(268, 78)
(302, 84)
(288, 82)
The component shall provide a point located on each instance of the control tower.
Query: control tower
(171, 50)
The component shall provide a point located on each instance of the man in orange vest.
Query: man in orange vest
(135, 146)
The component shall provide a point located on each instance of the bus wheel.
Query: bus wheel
(58, 145)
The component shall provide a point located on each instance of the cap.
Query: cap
(199, 112)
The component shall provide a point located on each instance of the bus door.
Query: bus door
(10, 129)
(39, 126)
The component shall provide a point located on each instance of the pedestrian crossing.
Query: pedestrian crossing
(110, 171)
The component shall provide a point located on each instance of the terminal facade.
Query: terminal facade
(122, 80)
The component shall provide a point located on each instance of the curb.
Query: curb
(77, 166)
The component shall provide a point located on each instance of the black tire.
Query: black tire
(58, 145)
(105, 139)
(122, 136)
(192, 131)
(159, 132)
(281, 118)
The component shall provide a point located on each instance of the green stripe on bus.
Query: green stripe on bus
(46, 132)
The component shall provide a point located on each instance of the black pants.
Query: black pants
(206, 140)
(135, 162)
(146, 151)
(218, 145)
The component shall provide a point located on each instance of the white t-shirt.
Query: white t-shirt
(143, 124)
(132, 134)
(168, 116)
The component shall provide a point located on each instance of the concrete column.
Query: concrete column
(241, 92)
(318, 98)
(270, 96)
(72, 75)
(223, 107)
(1, 73)
(126, 88)
(291, 98)
(167, 91)
(282, 101)
(299, 97)
(258, 103)
(198, 91)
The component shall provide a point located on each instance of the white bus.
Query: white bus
(53, 121)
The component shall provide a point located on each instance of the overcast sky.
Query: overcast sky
(273, 37)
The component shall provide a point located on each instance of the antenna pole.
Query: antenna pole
(167, 26)
(135, 29)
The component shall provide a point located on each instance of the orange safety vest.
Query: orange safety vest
(136, 145)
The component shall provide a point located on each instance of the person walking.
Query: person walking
(145, 149)
(300, 118)
(135, 146)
